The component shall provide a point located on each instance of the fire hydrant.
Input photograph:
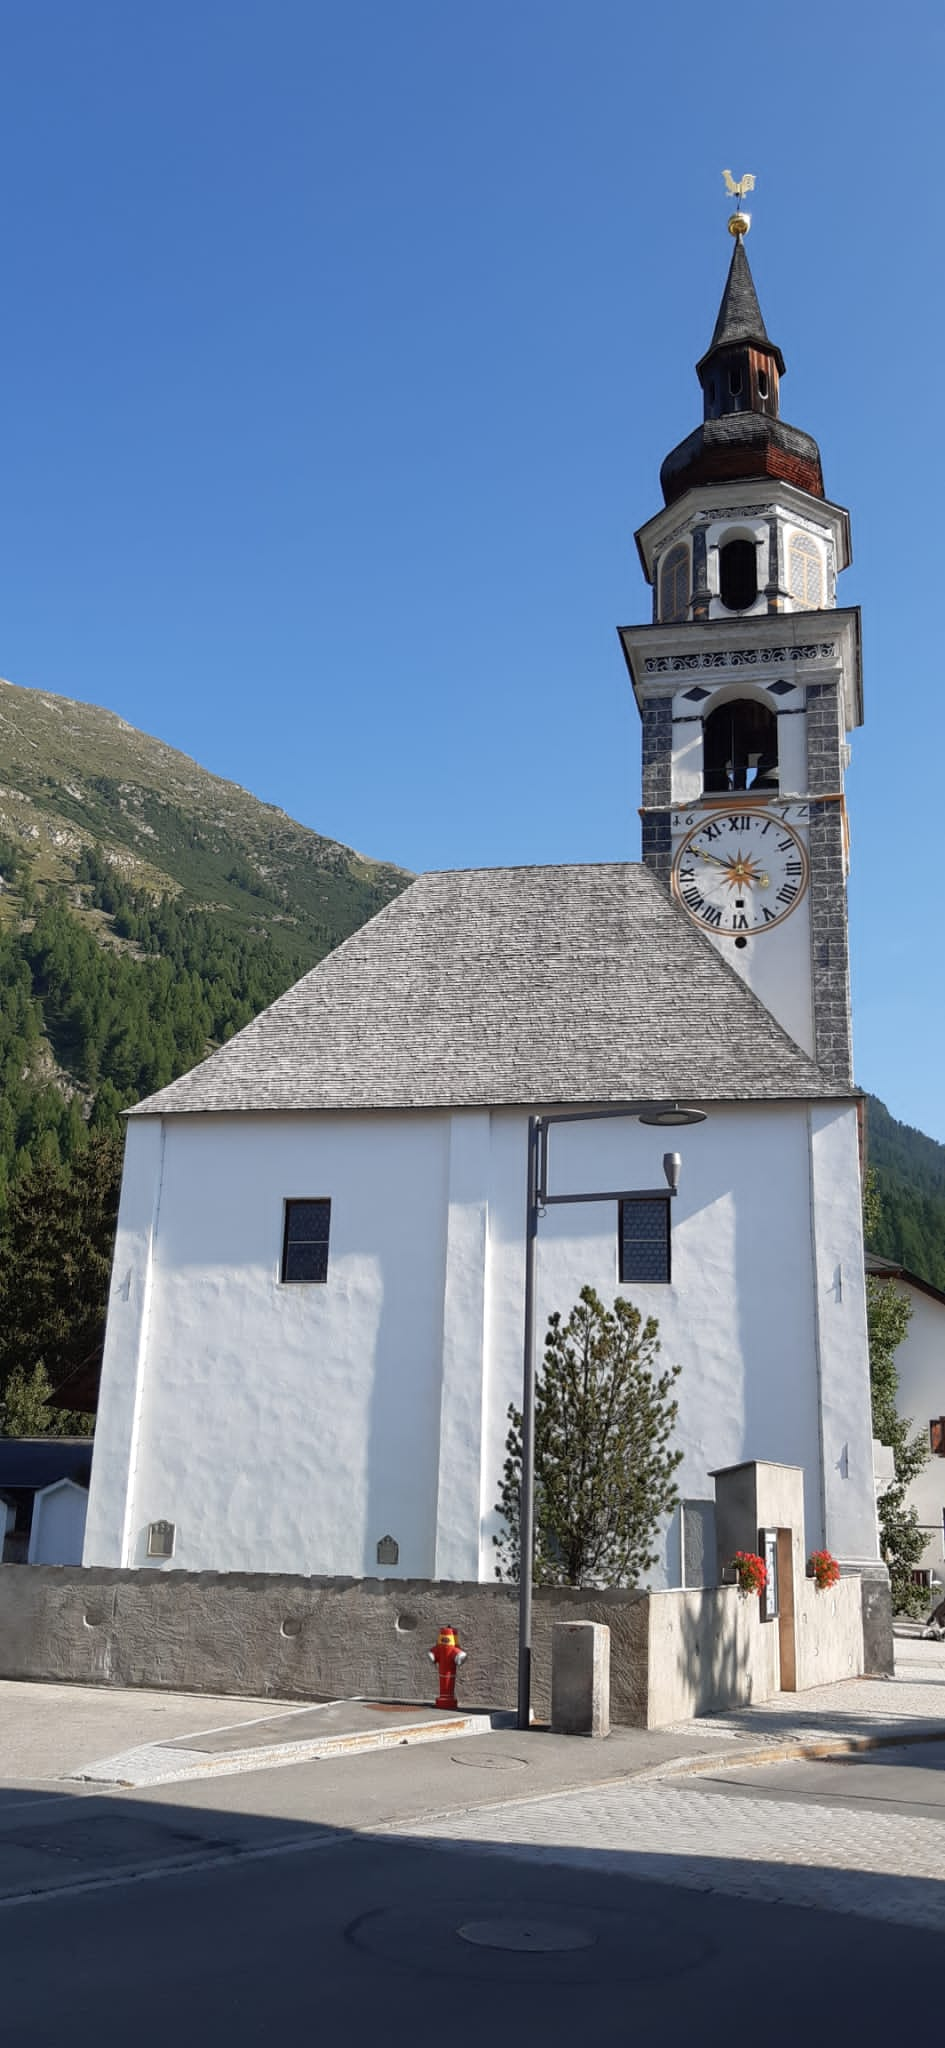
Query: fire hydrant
(447, 1656)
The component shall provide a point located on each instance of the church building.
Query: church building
(315, 1326)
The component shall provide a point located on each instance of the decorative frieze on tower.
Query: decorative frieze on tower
(748, 681)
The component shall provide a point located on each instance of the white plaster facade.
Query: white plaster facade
(290, 1428)
(920, 1363)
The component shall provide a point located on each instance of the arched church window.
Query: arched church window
(805, 573)
(674, 584)
(738, 574)
(740, 747)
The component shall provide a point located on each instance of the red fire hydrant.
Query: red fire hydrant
(447, 1656)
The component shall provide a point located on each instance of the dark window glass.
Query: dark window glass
(738, 574)
(762, 383)
(644, 1239)
(740, 747)
(305, 1241)
(937, 1437)
(734, 382)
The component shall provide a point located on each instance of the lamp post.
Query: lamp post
(664, 1115)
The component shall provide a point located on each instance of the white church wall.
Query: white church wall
(125, 1355)
(848, 1516)
(737, 1315)
(290, 1427)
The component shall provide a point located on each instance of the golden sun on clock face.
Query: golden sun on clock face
(740, 872)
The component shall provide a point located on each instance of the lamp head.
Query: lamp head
(665, 1114)
(672, 1167)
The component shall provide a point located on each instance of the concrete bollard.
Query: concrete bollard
(580, 1678)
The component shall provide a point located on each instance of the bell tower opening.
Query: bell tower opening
(738, 575)
(740, 746)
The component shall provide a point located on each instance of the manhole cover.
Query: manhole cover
(491, 1763)
(540, 1937)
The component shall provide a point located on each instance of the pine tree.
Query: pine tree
(603, 1462)
(55, 1261)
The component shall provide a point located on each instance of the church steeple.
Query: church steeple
(748, 681)
(742, 434)
(741, 368)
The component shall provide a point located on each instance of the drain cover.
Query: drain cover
(491, 1763)
(542, 1937)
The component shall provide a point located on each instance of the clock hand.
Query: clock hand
(763, 881)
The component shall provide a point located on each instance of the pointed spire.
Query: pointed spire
(739, 313)
(739, 323)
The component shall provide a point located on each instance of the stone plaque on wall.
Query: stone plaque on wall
(388, 1552)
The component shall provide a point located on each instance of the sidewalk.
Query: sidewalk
(77, 1734)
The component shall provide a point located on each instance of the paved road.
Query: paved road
(360, 1938)
(682, 1898)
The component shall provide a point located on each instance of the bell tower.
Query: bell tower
(748, 681)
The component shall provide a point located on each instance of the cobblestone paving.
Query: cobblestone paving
(886, 1866)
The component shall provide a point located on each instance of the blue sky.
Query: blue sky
(341, 347)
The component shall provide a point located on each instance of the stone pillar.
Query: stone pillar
(580, 1678)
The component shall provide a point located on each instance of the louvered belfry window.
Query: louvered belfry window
(305, 1242)
(674, 585)
(804, 572)
(644, 1239)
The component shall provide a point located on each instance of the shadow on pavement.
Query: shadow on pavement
(127, 1922)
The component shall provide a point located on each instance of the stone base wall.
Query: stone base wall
(672, 1654)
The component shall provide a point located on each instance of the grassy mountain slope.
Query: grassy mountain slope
(910, 1172)
(72, 775)
(147, 911)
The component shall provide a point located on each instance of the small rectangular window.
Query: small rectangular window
(937, 1437)
(305, 1241)
(644, 1239)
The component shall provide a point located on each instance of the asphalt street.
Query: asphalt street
(321, 1933)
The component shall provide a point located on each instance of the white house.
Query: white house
(920, 1363)
(315, 1324)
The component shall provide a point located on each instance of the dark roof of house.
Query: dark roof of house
(29, 1462)
(890, 1269)
(509, 985)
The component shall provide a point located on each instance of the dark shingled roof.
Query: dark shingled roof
(739, 318)
(509, 985)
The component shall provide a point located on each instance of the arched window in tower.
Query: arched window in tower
(805, 572)
(740, 747)
(738, 574)
(674, 585)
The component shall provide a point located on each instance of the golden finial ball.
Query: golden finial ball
(739, 223)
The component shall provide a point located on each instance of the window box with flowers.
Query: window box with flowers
(823, 1569)
(747, 1571)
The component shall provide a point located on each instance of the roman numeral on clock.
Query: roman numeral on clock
(787, 892)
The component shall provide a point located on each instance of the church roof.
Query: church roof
(739, 316)
(509, 985)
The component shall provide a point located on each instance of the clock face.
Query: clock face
(740, 872)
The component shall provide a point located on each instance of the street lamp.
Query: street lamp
(664, 1115)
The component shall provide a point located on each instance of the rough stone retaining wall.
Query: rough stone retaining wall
(295, 1638)
(672, 1654)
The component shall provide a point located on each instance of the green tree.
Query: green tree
(23, 1409)
(887, 1314)
(55, 1261)
(604, 1464)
